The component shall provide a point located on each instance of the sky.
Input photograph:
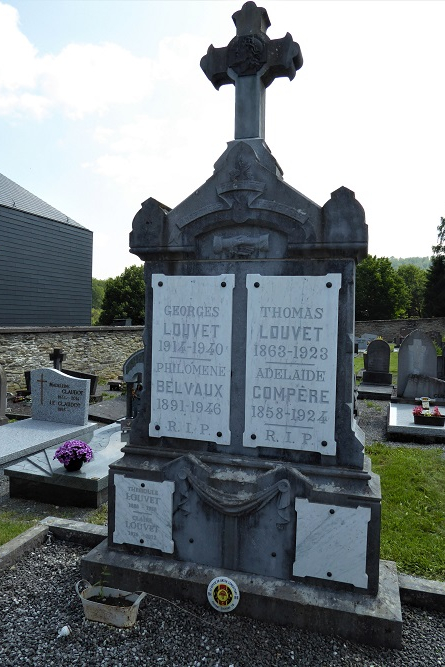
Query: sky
(103, 104)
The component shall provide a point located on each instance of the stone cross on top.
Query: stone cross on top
(57, 356)
(251, 61)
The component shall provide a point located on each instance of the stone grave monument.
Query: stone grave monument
(60, 398)
(58, 356)
(59, 412)
(41, 477)
(418, 368)
(245, 461)
(418, 376)
(376, 379)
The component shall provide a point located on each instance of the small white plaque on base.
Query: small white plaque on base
(331, 542)
(143, 513)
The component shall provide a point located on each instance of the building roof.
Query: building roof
(14, 196)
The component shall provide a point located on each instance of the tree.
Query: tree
(98, 291)
(380, 293)
(439, 248)
(420, 262)
(435, 288)
(414, 280)
(435, 277)
(124, 297)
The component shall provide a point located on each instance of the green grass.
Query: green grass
(10, 526)
(12, 523)
(413, 508)
(374, 404)
(99, 516)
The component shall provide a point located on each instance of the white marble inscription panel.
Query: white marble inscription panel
(191, 357)
(143, 513)
(331, 542)
(291, 362)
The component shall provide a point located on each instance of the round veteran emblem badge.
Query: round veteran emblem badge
(223, 594)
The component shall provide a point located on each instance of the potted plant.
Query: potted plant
(73, 454)
(109, 605)
(428, 417)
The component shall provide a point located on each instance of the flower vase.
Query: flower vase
(74, 465)
(109, 605)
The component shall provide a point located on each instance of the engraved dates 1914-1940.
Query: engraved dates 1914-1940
(191, 357)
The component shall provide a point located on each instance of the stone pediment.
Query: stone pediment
(245, 193)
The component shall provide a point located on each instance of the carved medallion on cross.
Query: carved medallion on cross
(251, 62)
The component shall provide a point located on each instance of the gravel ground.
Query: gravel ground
(37, 599)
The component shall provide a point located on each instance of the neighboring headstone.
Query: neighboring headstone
(364, 340)
(133, 376)
(417, 359)
(59, 398)
(246, 430)
(397, 340)
(424, 385)
(377, 363)
(133, 369)
(94, 379)
(3, 397)
(361, 344)
(57, 356)
(75, 374)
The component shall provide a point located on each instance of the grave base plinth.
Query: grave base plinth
(374, 620)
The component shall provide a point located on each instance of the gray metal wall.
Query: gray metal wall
(45, 271)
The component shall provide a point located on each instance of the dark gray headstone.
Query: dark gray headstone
(57, 356)
(418, 357)
(377, 363)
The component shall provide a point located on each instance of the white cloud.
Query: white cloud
(89, 79)
(82, 79)
(12, 104)
(17, 54)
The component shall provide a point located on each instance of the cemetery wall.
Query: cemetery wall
(103, 350)
(389, 329)
(98, 350)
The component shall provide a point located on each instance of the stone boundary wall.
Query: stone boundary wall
(98, 350)
(388, 329)
(103, 350)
